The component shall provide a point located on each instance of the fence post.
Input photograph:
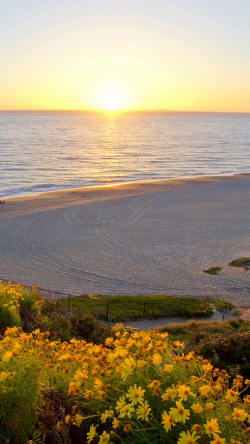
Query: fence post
(107, 311)
(208, 305)
(224, 314)
(179, 310)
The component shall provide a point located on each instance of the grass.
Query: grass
(127, 307)
(213, 270)
(187, 330)
(240, 262)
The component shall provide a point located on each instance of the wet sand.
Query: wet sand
(138, 238)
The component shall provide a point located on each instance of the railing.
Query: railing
(55, 294)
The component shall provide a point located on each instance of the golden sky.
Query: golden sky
(186, 55)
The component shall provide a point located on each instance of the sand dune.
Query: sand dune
(149, 238)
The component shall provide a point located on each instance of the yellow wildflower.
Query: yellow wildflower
(179, 414)
(126, 411)
(188, 438)
(167, 421)
(135, 394)
(184, 391)
(127, 428)
(98, 384)
(197, 408)
(7, 356)
(78, 419)
(157, 359)
(170, 393)
(104, 438)
(106, 415)
(91, 434)
(209, 406)
(232, 395)
(205, 390)
(120, 403)
(143, 411)
(218, 440)
(212, 427)
(115, 423)
(169, 368)
(3, 376)
(240, 415)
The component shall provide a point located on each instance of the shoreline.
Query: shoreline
(70, 196)
(152, 237)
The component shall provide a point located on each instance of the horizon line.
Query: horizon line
(104, 111)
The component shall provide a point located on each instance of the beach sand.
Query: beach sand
(139, 238)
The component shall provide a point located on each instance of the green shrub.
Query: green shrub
(213, 270)
(227, 351)
(240, 262)
(78, 326)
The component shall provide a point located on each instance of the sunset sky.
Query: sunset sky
(190, 55)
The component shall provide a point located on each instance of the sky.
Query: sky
(181, 55)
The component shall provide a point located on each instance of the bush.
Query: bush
(227, 351)
(77, 326)
(19, 306)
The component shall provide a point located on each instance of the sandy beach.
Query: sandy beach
(138, 238)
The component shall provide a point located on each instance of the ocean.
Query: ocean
(46, 151)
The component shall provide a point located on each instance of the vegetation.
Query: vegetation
(213, 270)
(225, 344)
(240, 262)
(121, 308)
(133, 388)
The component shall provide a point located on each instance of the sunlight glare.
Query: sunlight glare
(112, 100)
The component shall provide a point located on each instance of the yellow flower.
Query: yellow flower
(212, 427)
(188, 438)
(170, 393)
(67, 419)
(120, 403)
(184, 391)
(141, 363)
(104, 438)
(91, 434)
(154, 384)
(179, 414)
(109, 341)
(179, 344)
(3, 376)
(127, 428)
(232, 395)
(197, 408)
(115, 423)
(7, 356)
(167, 421)
(126, 411)
(78, 419)
(240, 415)
(169, 368)
(143, 411)
(106, 415)
(218, 441)
(189, 356)
(98, 384)
(80, 377)
(205, 390)
(197, 428)
(135, 394)
(157, 359)
(209, 406)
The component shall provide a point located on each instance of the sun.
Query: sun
(112, 100)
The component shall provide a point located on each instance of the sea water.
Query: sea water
(45, 151)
